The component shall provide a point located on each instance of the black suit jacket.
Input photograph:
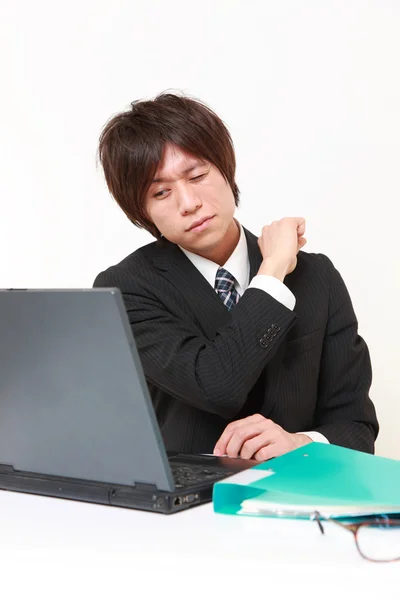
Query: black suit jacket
(306, 369)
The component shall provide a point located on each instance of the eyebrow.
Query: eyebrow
(184, 172)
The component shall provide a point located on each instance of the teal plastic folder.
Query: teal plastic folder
(335, 481)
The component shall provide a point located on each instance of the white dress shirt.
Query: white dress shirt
(238, 265)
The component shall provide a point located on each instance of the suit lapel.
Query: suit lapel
(208, 307)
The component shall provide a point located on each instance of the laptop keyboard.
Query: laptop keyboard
(190, 475)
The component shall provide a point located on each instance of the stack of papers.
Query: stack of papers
(264, 505)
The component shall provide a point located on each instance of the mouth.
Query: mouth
(201, 224)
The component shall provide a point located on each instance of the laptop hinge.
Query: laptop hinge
(6, 468)
(146, 487)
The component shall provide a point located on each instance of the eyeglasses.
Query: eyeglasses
(377, 539)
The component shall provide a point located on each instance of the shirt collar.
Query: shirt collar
(237, 264)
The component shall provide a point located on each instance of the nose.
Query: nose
(188, 200)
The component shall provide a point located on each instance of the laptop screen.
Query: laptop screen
(73, 396)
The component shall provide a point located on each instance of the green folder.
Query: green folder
(335, 481)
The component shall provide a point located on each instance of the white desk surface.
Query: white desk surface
(51, 548)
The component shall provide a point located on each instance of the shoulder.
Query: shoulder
(314, 265)
(135, 266)
(314, 261)
(314, 275)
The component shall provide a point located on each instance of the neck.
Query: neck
(223, 251)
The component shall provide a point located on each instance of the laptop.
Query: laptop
(76, 416)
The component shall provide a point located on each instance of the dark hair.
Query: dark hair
(132, 142)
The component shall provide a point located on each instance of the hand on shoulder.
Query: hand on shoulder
(279, 244)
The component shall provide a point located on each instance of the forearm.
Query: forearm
(217, 375)
(214, 375)
(350, 434)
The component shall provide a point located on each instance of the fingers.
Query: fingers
(277, 441)
(298, 222)
(267, 452)
(232, 428)
(279, 244)
(301, 242)
(257, 437)
(240, 437)
(253, 445)
(301, 226)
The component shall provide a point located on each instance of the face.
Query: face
(191, 204)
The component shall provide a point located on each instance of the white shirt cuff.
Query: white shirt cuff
(275, 288)
(316, 436)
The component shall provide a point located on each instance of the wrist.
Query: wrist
(301, 439)
(273, 268)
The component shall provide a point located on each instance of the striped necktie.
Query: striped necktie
(225, 288)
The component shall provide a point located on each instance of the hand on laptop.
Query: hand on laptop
(259, 438)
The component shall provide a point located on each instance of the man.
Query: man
(249, 347)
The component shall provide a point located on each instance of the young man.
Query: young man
(249, 347)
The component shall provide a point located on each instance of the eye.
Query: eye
(160, 194)
(198, 177)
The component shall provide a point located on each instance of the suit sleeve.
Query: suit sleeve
(346, 415)
(213, 375)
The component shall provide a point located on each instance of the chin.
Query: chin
(214, 238)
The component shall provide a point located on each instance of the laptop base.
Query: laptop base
(140, 496)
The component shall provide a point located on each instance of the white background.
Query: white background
(310, 91)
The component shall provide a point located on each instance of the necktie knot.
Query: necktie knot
(225, 288)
